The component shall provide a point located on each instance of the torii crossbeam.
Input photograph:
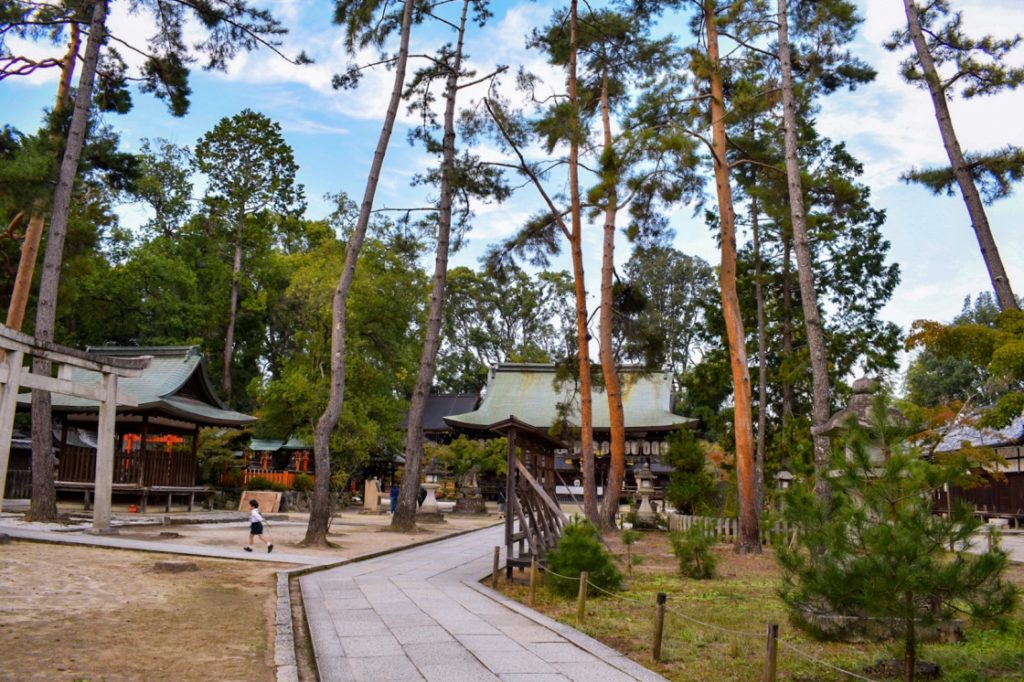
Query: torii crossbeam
(15, 375)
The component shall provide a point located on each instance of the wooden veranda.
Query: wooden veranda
(156, 441)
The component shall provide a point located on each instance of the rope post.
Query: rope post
(581, 600)
(659, 627)
(993, 538)
(772, 652)
(533, 580)
(494, 572)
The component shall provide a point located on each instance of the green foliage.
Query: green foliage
(507, 316)
(464, 454)
(878, 555)
(994, 173)
(384, 312)
(216, 32)
(260, 483)
(676, 289)
(691, 489)
(580, 549)
(995, 351)
(693, 549)
(302, 483)
(981, 66)
(216, 455)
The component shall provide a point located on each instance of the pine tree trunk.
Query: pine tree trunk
(229, 334)
(44, 497)
(968, 189)
(582, 335)
(616, 418)
(820, 401)
(788, 397)
(748, 540)
(405, 513)
(67, 67)
(320, 511)
(910, 644)
(762, 351)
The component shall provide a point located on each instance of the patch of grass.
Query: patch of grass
(736, 607)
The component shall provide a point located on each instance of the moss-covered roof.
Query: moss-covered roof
(174, 385)
(529, 393)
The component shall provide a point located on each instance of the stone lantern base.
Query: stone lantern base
(429, 512)
(469, 501)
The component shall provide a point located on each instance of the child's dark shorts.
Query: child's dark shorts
(255, 528)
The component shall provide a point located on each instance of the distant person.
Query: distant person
(394, 497)
(256, 527)
(422, 495)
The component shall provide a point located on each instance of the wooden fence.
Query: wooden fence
(285, 478)
(19, 484)
(726, 529)
(156, 468)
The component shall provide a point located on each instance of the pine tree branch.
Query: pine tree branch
(500, 69)
(526, 170)
(273, 47)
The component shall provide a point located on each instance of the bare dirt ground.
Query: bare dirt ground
(92, 614)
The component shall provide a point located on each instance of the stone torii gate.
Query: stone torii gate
(16, 347)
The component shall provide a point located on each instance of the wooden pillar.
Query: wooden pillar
(63, 434)
(195, 471)
(143, 436)
(11, 377)
(105, 453)
(510, 492)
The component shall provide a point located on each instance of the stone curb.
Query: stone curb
(589, 644)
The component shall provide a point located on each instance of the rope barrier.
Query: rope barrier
(814, 659)
(735, 633)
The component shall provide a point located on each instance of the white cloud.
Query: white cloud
(890, 124)
(306, 126)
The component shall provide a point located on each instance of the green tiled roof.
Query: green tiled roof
(528, 393)
(263, 445)
(175, 384)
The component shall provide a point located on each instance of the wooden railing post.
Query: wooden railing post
(659, 627)
(533, 579)
(494, 573)
(581, 599)
(772, 653)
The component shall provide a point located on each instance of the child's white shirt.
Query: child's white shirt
(255, 517)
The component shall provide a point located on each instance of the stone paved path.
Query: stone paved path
(117, 542)
(421, 614)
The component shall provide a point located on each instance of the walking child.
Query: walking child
(256, 527)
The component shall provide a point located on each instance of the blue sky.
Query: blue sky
(888, 125)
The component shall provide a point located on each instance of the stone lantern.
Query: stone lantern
(429, 511)
(784, 478)
(859, 409)
(645, 515)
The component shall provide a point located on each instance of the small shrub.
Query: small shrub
(302, 483)
(260, 483)
(233, 478)
(693, 549)
(580, 549)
